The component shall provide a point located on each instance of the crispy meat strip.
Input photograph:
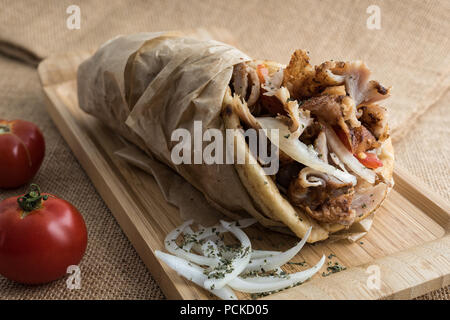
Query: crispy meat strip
(374, 117)
(303, 80)
(246, 79)
(362, 140)
(323, 197)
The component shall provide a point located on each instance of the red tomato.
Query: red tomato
(370, 160)
(40, 236)
(22, 149)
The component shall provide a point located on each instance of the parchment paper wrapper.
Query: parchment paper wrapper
(176, 190)
(147, 85)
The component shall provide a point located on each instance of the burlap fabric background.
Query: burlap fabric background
(410, 52)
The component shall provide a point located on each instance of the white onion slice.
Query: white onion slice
(172, 247)
(191, 245)
(337, 162)
(217, 240)
(347, 157)
(210, 249)
(238, 263)
(254, 255)
(274, 283)
(271, 263)
(193, 273)
(298, 151)
(263, 253)
(211, 232)
(221, 276)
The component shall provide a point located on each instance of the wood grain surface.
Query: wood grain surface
(409, 241)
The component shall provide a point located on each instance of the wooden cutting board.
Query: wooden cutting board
(409, 243)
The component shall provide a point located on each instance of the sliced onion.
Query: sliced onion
(271, 263)
(347, 157)
(238, 263)
(215, 251)
(263, 253)
(298, 151)
(191, 245)
(195, 246)
(210, 249)
(193, 273)
(337, 162)
(212, 232)
(183, 262)
(172, 247)
(274, 283)
(203, 233)
(217, 240)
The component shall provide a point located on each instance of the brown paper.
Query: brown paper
(176, 190)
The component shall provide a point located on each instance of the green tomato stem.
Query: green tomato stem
(32, 200)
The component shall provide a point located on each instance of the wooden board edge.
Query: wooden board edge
(48, 67)
(400, 278)
(419, 194)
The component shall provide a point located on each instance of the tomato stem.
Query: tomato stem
(4, 129)
(31, 200)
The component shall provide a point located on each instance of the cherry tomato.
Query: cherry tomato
(40, 236)
(370, 160)
(22, 149)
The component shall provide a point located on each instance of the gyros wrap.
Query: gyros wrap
(335, 154)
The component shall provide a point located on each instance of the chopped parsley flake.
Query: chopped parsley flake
(303, 263)
(333, 269)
